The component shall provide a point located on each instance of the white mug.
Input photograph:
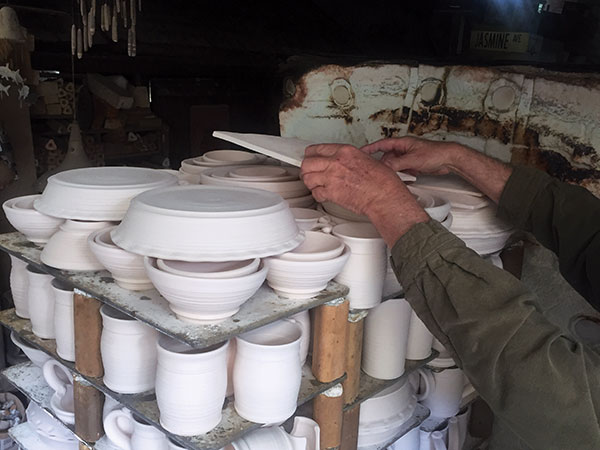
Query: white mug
(420, 339)
(442, 388)
(41, 303)
(64, 324)
(130, 433)
(59, 378)
(19, 284)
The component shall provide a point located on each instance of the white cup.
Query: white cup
(190, 386)
(303, 319)
(385, 339)
(267, 372)
(19, 284)
(130, 433)
(128, 349)
(420, 339)
(64, 324)
(441, 387)
(59, 378)
(41, 303)
(433, 440)
(365, 271)
(410, 441)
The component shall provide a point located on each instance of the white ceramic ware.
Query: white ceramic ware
(131, 433)
(447, 183)
(267, 372)
(462, 425)
(306, 201)
(41, 303)
(442, 387)
(410, 441)
(306, 218)
(309, 429)
(208, 223)
(126, 268)
(386, 323)
(53, 434)
(231, 351)
(263, 173)
(204, 300)
(36, 356)
(366, 268)
(68, 248)
(303, 319)
(231, 157)
(304, 436)
(36, 227)
(190, 386)
(98, 193)
(59, 378)
(225, 269)
(190, 178)
(19, 284)
(317, 246)
(420, 339)
(64, 324)
(303, 279)
(128, 349)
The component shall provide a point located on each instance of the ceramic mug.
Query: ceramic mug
(131, 433)
(303, 319)
(128, 349)
(429, 439)
(267, 372)
(41, 303)
(19, 284)
(59, 378)
(385, 339)
(190, 386)
(410, 441)
(442, 387)
(64, 325)
(420, 339)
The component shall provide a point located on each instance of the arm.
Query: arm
(542, 384)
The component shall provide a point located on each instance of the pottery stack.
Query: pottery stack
(191, 168)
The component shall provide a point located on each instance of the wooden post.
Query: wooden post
(89, 402)
(328, 413)
(329, 354)
(350, 428)
(354, 343)
(88, 329)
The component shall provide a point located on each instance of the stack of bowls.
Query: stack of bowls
(36, 227)
(191, 168)
(284, 181)
(306, 270)
(480, 229)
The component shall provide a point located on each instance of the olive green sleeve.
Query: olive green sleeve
(545, 386)
(564, 218)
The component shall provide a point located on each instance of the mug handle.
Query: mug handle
(118, 426)
(428, 380)
(437, 439)
(57, 376)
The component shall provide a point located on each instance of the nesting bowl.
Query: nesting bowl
(306, 218)
(225, 269)
(317, 246)
(36, 226)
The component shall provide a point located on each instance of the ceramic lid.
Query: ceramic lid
(112, 178)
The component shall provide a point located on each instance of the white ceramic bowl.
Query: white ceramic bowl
(208, 223)
(306, 201)
(306, 218)
(190, 166)
(303, 279)
(262, 173)
(317, 246)
(36, 356)
(231, 157)
(204, 300)
(189, 178)
(388, 403)
(226, 269)
(126, 268)
(36, 227)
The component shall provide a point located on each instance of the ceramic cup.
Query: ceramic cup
(59, 378)
(420, 339)
(385, 339)
(267, 372)
(128, 349)
(18, 286)
(190, 386)
(41, 303)
(433, 440)
(303, 319)
(410, 441)
(64, 326)
(442, 387)
(366, 268)
(131, 433)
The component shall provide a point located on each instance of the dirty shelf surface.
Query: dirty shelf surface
(150, 307)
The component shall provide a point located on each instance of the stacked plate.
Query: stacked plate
(191, 168)
(284, 181)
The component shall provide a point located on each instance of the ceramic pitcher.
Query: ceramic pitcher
(41, 303)
(64, 326)
(131, 433)
(128, 349)
(420, 339)
(267, 372)
(442, 387)
(190, 386)
(18, 286)
(304, 436)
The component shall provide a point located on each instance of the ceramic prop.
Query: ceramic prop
(267, 373)
(59, 378)
(442, 387)
(36, 227)
(420, 339)
(190, 386)
(19, 284)
(36, 356)
(304, 436)
(41, 303)
(131, 433)
(128, 349)
(64, 323)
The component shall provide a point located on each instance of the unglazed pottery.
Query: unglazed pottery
(307, 218)
(225, 269)
(190, 386)
(36, 356)
(204, 300)
(305, 435)
(131, 433)
(50, 431)
(462, 425)
(68, 249)
(386, 323)
(306, 201)
(317, 246)
(267, 373)
(410, 441)
(41, 303)
(231, 157)
(128, 349)
(303, 319)
(59, 378)
(481, 230)
(19, 284)
(36, 227)
(366, 268)
(126, 268)
(263, 173)
(303, 279)
(64, 324)
(441, 387)
(98, 193)
(208, 223)
(420, 339)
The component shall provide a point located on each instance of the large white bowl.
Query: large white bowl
(36, 356)
(98, 193)
(126, 268)
(208, 223)
(36, 227)
(225, 269)
(303, 279)
(204, 300)
(317, 246)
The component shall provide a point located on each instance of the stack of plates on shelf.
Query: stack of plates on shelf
(191, 168)
(284, 181)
